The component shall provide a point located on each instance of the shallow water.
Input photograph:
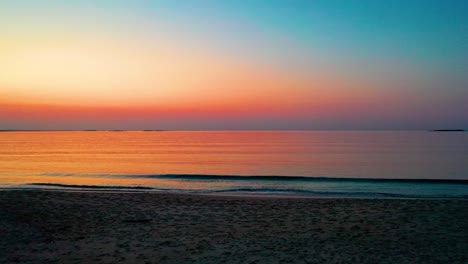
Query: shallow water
(169, 161)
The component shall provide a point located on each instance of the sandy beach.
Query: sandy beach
(87, 227)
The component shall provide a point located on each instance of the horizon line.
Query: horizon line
(201, 130)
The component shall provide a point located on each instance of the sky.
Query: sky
(234, 65)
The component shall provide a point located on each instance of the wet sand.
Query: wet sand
(85, 227)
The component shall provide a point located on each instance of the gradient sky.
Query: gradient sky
(252, 64)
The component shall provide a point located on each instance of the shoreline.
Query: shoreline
(97, 227)
(246, 195)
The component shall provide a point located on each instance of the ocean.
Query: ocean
(355, 164)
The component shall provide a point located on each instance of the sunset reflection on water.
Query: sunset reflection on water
(91, 158)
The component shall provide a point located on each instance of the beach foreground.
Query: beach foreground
(88, 227)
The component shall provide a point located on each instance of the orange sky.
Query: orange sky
(94, 63)
(47, 81)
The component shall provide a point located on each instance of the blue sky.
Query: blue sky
(413, 52)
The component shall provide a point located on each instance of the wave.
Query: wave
(212, 177)
(251, 191)
(91, 186)
(335, 194)
(291, 178)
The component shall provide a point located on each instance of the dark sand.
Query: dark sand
(74, 227)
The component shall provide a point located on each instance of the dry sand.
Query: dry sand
(80, 227)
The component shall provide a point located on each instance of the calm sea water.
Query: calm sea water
(319, 163)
